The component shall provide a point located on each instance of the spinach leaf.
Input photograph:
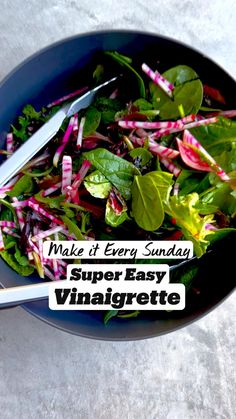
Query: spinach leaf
(188, 92)
(92, 121)
(185, 274)
(108, 316)
(23, 186)
(9, 206)
(221, 196)
(221, 234)
(191, 181)
(126, 62)
(117, 170)
(143, 104)
(217, 137)
(147, 206)
(6, 214)
(97, 184)
(108, 108)
(12, 262)
(112, 218)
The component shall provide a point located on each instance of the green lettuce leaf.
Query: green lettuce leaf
(188, 92)
(97, 184)
(12, 262)
(112, 218)
(183, 210)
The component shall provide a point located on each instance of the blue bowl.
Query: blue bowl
(50, 74)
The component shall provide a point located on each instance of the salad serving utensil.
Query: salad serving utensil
(44, 134)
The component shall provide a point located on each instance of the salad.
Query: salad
(154, 159)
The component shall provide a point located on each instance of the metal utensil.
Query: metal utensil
(41, 137)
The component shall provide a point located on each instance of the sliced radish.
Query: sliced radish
(36, 207)
(80, 132)
(170, 166)
(158, 79)
(9, 144)
(66, 173)
(64, 141)
(195, 156)
(1, 241)
(66, 97)
(7, 230)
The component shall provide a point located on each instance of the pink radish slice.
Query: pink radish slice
(9, 144)
(75, 126)
(19, 204)
(66, 173)
(64, 141)
(194, 124)
(36, 207)
(7, 230)
(19, 213)
(4, 189)
(37, 161)
(66, 97)
(170, 166)
(80, 132)
(150, 125)
(48, 273)
(188, 138)
(10, 224)
(82, 173)
(43, 234)
(158, 79)
(226, 114)
(176, 189)
(1, 240)
(156, 148)
(201, 122)
(52, 189)
(191, 158)
(33, 246)
(72, 191)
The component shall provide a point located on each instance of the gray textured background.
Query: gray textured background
(45, 373)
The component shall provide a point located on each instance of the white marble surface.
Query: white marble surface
(45, 373)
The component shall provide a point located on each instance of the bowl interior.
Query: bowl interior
(59, 69)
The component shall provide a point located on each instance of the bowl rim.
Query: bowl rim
(104, 32)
